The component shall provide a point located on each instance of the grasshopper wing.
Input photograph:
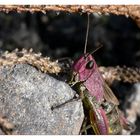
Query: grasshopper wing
(109, 95)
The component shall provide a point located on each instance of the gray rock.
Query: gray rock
(38, 103)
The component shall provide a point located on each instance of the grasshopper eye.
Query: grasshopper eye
(90, 64)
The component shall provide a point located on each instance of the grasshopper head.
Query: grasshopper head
(84, 66)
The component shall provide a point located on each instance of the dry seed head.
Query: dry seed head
(35, 59)
(125, 74)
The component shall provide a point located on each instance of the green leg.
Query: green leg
(85, 127)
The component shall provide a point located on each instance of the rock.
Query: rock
(37, 103)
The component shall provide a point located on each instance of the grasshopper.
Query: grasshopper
(98, 99)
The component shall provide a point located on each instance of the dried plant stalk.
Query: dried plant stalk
(128, 10)
(19, 57)
(125, 74)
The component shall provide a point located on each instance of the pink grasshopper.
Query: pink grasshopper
(102, 105)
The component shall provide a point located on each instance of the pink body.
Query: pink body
(92, 77)
(94, 83)
(87, 71)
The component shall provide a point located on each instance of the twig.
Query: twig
(128, 10)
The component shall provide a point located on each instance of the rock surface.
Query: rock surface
(36, 103)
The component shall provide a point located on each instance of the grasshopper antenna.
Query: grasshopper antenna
(87, 32)
(100, 46)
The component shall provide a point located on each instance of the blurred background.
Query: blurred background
(60, 35)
